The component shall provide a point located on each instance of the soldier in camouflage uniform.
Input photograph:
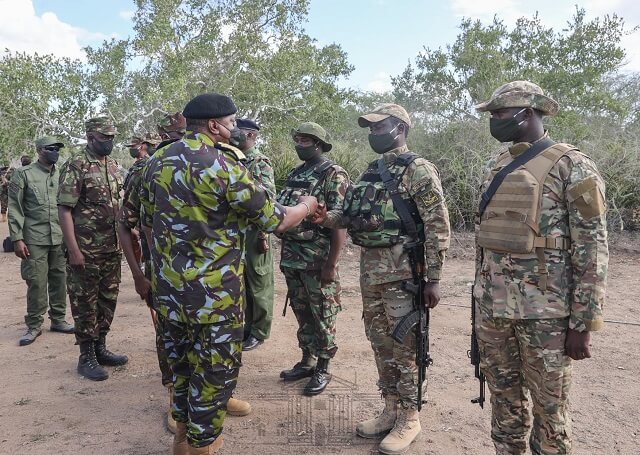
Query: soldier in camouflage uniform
(171, 128)
(4, 185)
(310, 256)
(540, 273)
(374, 224)
(88, 204)
(197, 202)
(258, 273)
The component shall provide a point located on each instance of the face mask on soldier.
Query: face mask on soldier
(238, 137)
(134, 152)
(506, 130)
(381, 143)
(102, 148)
(51, 154)
(306, 153)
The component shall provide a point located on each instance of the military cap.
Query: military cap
(520, 94)
(48, 140)
(209, 105)
(382, 112)
(247, 124)
(175, 122)
(148, 138)
(100, 124)
(314, 130)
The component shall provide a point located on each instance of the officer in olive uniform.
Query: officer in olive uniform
(37, 239)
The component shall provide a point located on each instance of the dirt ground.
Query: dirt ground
(46, 408)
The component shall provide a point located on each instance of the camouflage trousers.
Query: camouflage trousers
(384, 305)
(316, 308)
(159, 324)
(93, 294)
(4, 200)
(522, 357)
(205, 360)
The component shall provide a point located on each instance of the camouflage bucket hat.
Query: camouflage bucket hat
(314, 130)
(382, 112)
(175, 122)
(100, 124)
(520, 94)
(48, 140)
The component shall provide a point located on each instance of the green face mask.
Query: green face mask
(306, 153)
(381, 143)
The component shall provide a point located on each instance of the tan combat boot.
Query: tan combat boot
(238, 408)
(382, 424)
(405, 431)
(171, 423)
(180, 446)
(207, 450)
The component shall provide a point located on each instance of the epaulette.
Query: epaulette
(235, 152)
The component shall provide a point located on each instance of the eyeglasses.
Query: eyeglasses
(52, 148)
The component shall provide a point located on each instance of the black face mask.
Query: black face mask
(381, 143)
(51, 156)
(306, 153)
(151, 150)
(506, 130)
(238, 137)
(102, 148)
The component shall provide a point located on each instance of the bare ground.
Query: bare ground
(46, 408)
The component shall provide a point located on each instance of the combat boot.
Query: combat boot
(180, 446)
(302, 369)
(238, 408)
(171, 423)
(382, 424)
(212, 448)
(30, 336)
(88, 366)
(320, 379)
(106, 357)
(406, 430)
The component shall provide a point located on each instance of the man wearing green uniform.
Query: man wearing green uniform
(258, 272)
(37, 239)
(197, 201)
(88, 204)
(310, 256)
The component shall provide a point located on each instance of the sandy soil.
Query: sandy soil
(46, 408)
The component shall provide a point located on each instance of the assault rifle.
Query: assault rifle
(474, 354)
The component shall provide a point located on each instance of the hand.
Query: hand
(76, 259)
(576, 345)
(321, 214)
(328, 273)
(431, 294)
(263, 246)
(311, 202)
(143, 286)
(20, 249)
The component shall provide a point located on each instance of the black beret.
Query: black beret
(247, 124)
(209, 105)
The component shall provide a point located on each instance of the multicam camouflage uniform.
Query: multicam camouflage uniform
(305, 250)
(522, 327)
(92, 189)
(199, 202)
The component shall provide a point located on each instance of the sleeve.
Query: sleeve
(16, 206)
(335, 189)
(70, 186)
(486, 181)
(585, 197)
(147, 202)
(130, 213)
(426, 190)
(264, 175)
(251, 200)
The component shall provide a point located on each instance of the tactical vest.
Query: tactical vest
(373, 219)
(511, 221)
(299, 183)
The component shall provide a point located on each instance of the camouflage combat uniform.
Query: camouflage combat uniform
(385, 265)
(5, 178)
(258, 274)
(199, 200)
(304, 251)
(522, 321)
(92, 189)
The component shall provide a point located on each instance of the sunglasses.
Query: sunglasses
(52, 148)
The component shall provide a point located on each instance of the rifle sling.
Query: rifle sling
(400, 205)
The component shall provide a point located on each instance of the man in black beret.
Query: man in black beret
(197, 202)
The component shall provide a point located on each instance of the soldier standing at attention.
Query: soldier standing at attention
(197, 202)
(310, 256)
(540, 271)
(374, 224)
(258, 272)
(88, 204)
(37, 239)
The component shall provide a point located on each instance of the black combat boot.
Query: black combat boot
(106, 357)
(302, 369)
(320, 378)
(88, 366)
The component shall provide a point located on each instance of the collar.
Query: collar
(519, 148)
(200, 137)
(249, 153)
(45, 169)
(392, 154)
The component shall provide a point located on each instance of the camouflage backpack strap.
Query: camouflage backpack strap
(321, 171)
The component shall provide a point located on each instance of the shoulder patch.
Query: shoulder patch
(231, 150)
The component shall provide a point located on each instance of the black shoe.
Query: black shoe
(106, 357)
(302, 369)
(88, 366)
(251, 343)
(319, 380)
